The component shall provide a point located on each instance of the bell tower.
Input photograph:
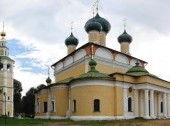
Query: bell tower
(6, 79)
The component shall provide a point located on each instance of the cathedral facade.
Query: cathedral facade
(6, 79)
(94, 82)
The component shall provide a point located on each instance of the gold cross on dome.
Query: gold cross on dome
(125, 23)
(71, 24)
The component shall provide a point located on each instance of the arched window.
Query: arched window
(45, 107)
(96, 105)
(1, 66)
(161, 107)
(74, 106)
(38, 105)
(8, 67)
(129, 104)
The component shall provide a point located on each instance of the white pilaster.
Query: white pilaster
(136, 103)
(168, 103)
(164, 105)
(146, 104)
(152, 107)
(125, 102)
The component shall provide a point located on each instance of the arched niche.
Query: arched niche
(68, 60)
(8, 67)
(122, 58)
(134, 61)
(59, 66)
(80, 54)
(1, 66)
(104, 53)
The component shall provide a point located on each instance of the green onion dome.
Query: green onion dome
(48, 80)
(92, 64)
(137, 69)
(125, 37)
(71, 40)
(93, 25)
(93, 73)
(104, 23)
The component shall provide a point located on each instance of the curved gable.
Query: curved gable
(101, 52)
(68, 60)
(122, 58)
(80, 54)
(59, 66)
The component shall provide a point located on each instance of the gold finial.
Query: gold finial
(3, 34)
(71, 24)
(125, 23)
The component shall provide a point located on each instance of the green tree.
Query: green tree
(28, 102)
(17, 96)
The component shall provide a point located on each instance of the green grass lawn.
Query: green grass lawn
(25, 122)
(43, 122)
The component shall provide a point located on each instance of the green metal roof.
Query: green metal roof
(5, 57)
(138, 70)
(93, 73)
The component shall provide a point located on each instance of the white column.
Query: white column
(146, 104)
(152, 107)
(136, 104)
(125, 102)
(168, 104)
(164, 105)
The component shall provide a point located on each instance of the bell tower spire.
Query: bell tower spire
(6, 77)
(3, 48)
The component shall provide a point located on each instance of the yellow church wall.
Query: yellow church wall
(9, 94)
(154, 81)
(85, 96)
(9, 108)
(43, 97)
(140, 93)
(141, 80)
(123, 77)
(61, 99)
(108, 69)
(73, 72)
(118, 108)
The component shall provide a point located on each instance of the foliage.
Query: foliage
(41, 86)
(28, 102)
(17, 96)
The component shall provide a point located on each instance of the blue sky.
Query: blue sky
(36, 31)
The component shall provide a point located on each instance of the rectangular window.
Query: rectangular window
(53, 106)
(96, 105)
(74, 105)
(161, 107)
(45, 107)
